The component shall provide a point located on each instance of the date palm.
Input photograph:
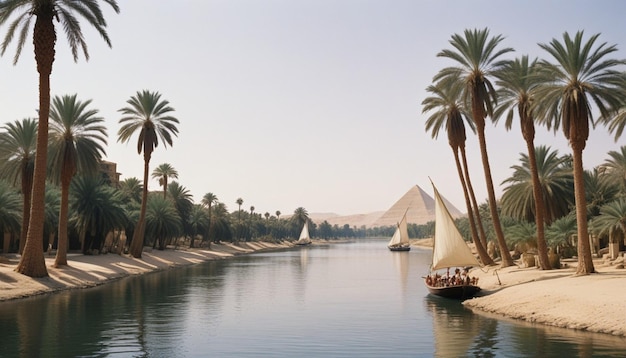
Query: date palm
(183, 202)
(164, 172)
(131, 189)
(198, 224)
(44, 12)
(239, 202)
(517, 81)
(162, 221)
(476, 54)
(555, 184)
(448, 111)
(208, 200)
(17, 158)
(10, 214)
(150, 116)
(615, 169)
(582, 75)
(76, 145)
(97, 209)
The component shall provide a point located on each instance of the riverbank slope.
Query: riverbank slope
(85, 271)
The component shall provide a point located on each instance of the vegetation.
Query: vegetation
(550, 205)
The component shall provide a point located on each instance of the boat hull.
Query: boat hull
(399, 248)
(458, 292)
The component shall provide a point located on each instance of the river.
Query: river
(341, 300)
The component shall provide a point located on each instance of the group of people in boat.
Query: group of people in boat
(458, 279)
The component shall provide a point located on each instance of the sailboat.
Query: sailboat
(400, 239)
(450, 251)
(304, 239)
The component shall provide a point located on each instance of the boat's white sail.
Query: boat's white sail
(401, 235)
(449, 249)
(304, 234)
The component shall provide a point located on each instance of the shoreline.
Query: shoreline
(86, 271)
(558, 298)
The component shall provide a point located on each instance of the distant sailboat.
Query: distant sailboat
(304, 239)
(450, 250)
(400, 239)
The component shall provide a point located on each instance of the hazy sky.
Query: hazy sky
(315, 103)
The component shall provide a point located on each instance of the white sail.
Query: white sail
(304, 234)
(401, 235)
(449, 249)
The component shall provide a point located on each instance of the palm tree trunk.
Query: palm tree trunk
(33, 263)
(61, 256)
(136, 246)
(482, 251)
(542, 246)
(585, 261)
(507, 260)
(470, 189)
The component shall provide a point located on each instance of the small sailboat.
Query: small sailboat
(450, 251)
(400, 239)
(304, 239)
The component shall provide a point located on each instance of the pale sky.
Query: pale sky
(310, 103)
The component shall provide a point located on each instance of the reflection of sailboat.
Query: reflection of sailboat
(449, 250)
(455, 329)
(304, 239)
(400, 239)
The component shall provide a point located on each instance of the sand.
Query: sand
(556, 297)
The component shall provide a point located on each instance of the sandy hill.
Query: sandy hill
(357, 220)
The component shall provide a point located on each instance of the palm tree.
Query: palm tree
(278, 214)
(208, 200)
(239, 202)
(17, 155)
(150, 116)
(300, 216)
(612, 222)
(582, 75)
(517, 81)
(555, 184)
(183, 202)
(162, 221)
(199, 224)
(163, 172)
(10, 214)
(614, 169)
(449, 111)
(476, 54)
(77, 140)
(131, 189)
(97, 209)
(32, 262)
(250, 222)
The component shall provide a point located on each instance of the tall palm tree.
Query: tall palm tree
(17, 158)
(555, 184)
(250, 222)
(149, 115)
(208, 200)
(582, 74)
(32, 262)
(477, 54)
(239, 202)
(448, 110)
(517, 81)
(77, 140)
(163, 172)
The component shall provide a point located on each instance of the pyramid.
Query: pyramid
(421, 209)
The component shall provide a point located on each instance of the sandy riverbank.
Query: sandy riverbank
(88, 271)
(558, 298)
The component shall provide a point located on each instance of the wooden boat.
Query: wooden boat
(304, 239)
(400, 239)
(449, 251)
